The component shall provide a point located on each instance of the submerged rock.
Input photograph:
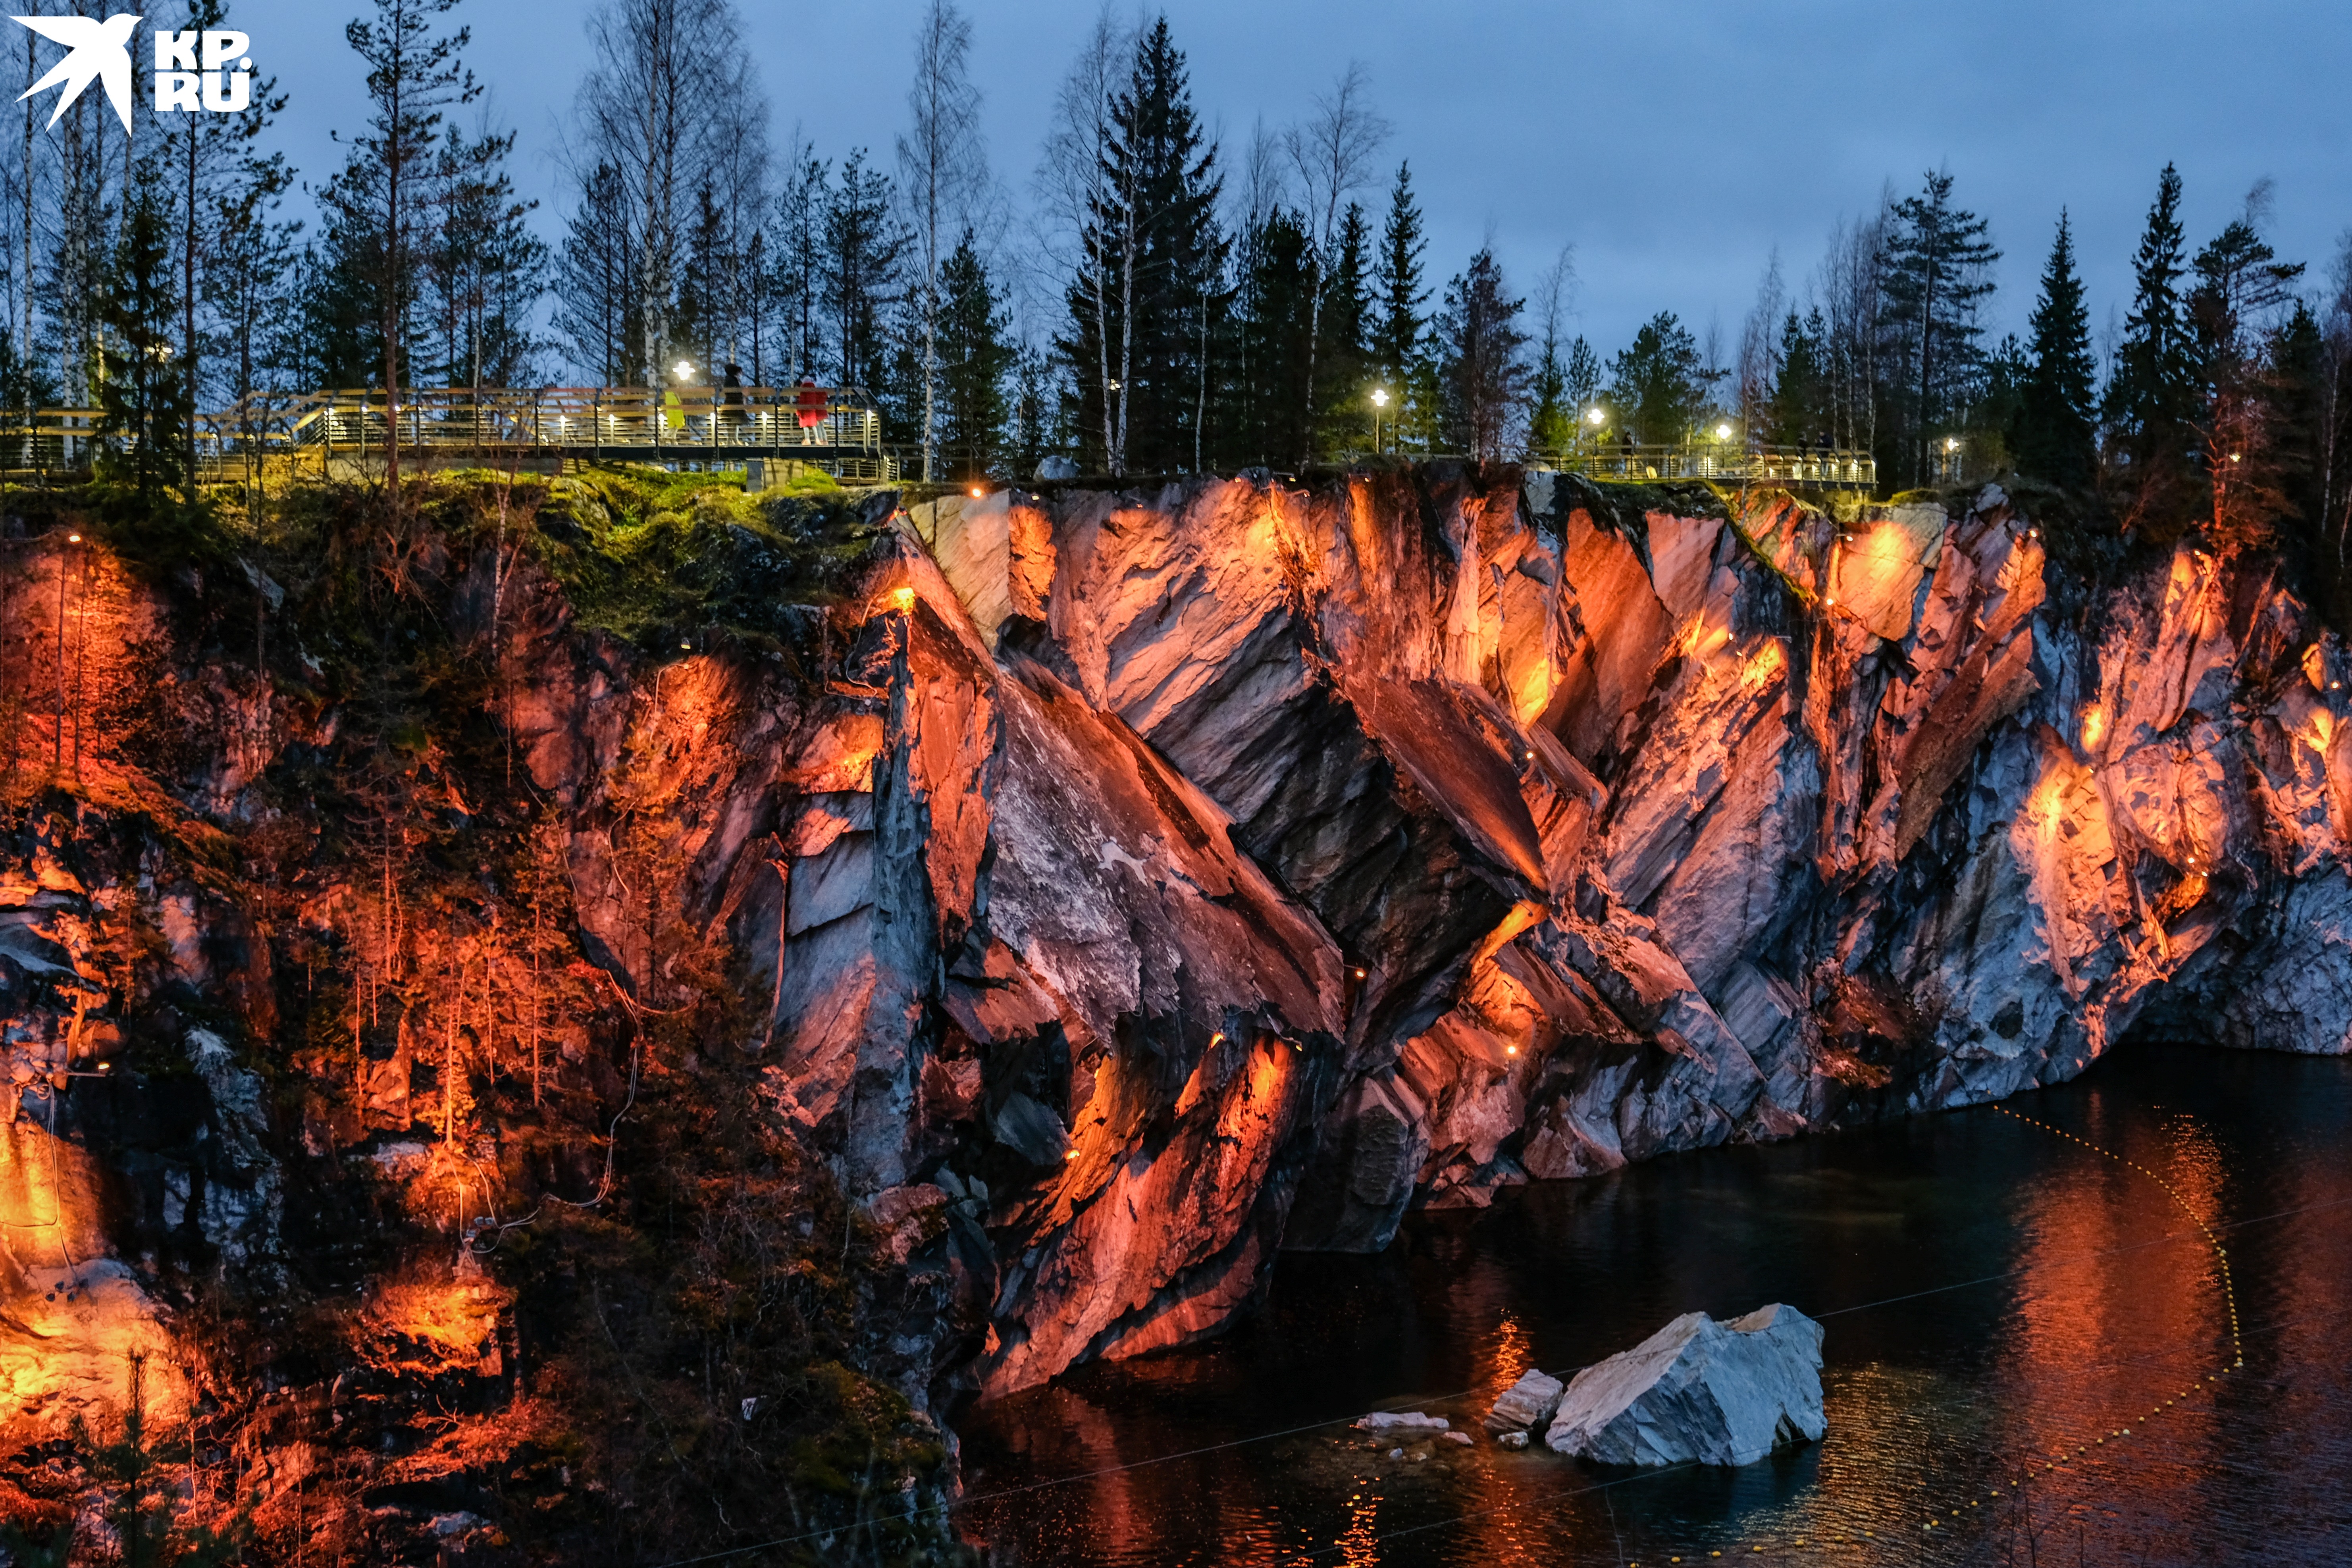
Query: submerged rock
(1697, 1390)
(1402, 1421)
(1529, 1402)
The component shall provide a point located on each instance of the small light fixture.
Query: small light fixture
(977, 493)
(2237, 457)
(1831, 604)
(1380, 398)
(1951, 443)
(73, 539)
(1510, 1050)
(1595, 416)
(684, 368)
(1359, 974)
(1723, 432)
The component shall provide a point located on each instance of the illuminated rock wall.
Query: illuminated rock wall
(1108, 890)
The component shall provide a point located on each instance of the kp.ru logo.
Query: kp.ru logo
(103, 50)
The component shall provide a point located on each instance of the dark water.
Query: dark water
(1993, 1295)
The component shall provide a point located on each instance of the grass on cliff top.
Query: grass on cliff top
(647, 555)
(655, 558)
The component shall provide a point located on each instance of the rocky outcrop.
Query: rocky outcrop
(1699, 1392)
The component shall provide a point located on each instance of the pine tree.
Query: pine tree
(974, 360)
(385, 196)
(2151, 402)
(484, 267)
(798, 269)
(1937, 279)
(596, 280)
(223, 191)
(1660, 383)
(1483, 369)
(2233, 312)
(2052, 435)
(860, 278)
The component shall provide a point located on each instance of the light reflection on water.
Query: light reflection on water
(2100, 1300)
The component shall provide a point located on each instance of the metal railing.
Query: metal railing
(1720, 463)
(836, 430)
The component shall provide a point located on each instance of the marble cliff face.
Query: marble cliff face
(1123, 886)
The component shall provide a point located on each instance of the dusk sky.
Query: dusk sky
(1674, 146)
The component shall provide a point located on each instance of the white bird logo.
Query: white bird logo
(100, 49)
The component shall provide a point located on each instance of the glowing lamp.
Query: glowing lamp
(1951, 443)
(1510, 1050)
(2237, 457)
(684, 368)
(1380, 398)
(73, 539)
(1359, 974)
(1595, 416)
(1723, 432)
(977, 493)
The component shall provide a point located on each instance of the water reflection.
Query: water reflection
(2093, 1299)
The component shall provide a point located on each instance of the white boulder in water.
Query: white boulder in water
(1717, 1394)
(1529, 1402)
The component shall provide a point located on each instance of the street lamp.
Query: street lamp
(1723, 432)
(1380, 401)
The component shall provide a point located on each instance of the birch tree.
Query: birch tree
(1074, 184)
(1332, 152)
(940, 168)
(670, 96)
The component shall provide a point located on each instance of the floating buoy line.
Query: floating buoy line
(1958, 1515)
(1813, 1540)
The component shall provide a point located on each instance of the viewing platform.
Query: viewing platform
(345, 432)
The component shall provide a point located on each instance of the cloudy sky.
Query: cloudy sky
(1672, 145)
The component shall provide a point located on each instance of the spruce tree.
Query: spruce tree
(2051, 436)
(1398, 296)
(1343, 327)
(974, 360)
(143, 400)
(2152, 403)
(1154, 222)
(1273, 320)
(1797, 413)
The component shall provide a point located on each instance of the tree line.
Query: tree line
(1162, 301)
